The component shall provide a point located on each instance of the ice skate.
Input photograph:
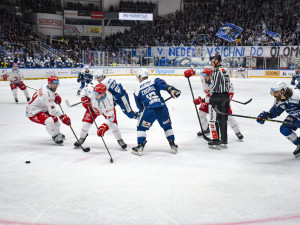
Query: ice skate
(297, 151)
(138, 149)
(207, 131)
(173, 146)
(62, 135)
(80, 141)
(240, 136)
(223, 144)
(57, 139)
(214, 144)
(122, 144)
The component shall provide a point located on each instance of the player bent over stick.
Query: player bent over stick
(204, 102)
(287, 100)
(152, 107)
(16, 77)
(101, 103)
(119, 93)
(42, 109)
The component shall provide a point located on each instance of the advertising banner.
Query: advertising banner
(50, 24)
(94, 30)
(97, 15)
(71, 13)
(136, 16)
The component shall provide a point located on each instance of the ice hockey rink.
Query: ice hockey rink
(251, 182)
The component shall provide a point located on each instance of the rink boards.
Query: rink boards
(131, 71)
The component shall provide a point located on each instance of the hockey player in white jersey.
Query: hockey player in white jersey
(16, 77)
(119, 93)
(205, 76)
(42, 109)
(98, 101)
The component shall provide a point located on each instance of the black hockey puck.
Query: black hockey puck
(27, 161)
(111, 161)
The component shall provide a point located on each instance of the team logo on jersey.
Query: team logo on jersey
(167, 121)
(146, 124)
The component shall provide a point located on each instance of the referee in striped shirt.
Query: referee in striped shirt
(220, 99)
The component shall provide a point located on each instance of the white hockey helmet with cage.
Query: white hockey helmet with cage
(278, 86)
(142, 72)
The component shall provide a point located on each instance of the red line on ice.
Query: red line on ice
(275, 219)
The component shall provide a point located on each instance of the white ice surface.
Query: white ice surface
(251, 182)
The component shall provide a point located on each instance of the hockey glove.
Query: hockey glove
(102, 129)
(189, 73)
(173, 91)
(86, 102)
(198, 101)
(65, 119)
(262, 117)
(57, 99)
(292, 82)
(4, 77)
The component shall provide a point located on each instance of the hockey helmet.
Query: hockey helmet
(207, 71)
(53, 80)
(86, 67)
(278, 86)
(99, 73)
(215, 56)
(15, 65)
(100, 89)
(142, 72)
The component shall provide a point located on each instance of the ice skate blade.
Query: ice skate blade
(214, 147)
(174, 149)
(138, 153)
(223, 146)
(297, 155)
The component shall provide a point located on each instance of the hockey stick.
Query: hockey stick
(249, 117)
(171, 97)
(111, 159)
(24, 85)
(68, 103)
(244, 103)
(204, 136)
(83, 149)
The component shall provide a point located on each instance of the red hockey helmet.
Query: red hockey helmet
(100, 89)
(207, 72)
(15, 65)
(53, 80)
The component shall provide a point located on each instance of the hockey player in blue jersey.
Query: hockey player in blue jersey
(296, 77)
(118, 92)
(84, 77)
(152, 107)
(287, 100)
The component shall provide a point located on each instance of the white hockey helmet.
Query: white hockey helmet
(99, 73)
(278, 86)
(86, 67)
(142, 72)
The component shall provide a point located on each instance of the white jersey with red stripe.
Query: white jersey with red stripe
(87, 90)
(103, 106)
(43, 101)
(14, 76)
